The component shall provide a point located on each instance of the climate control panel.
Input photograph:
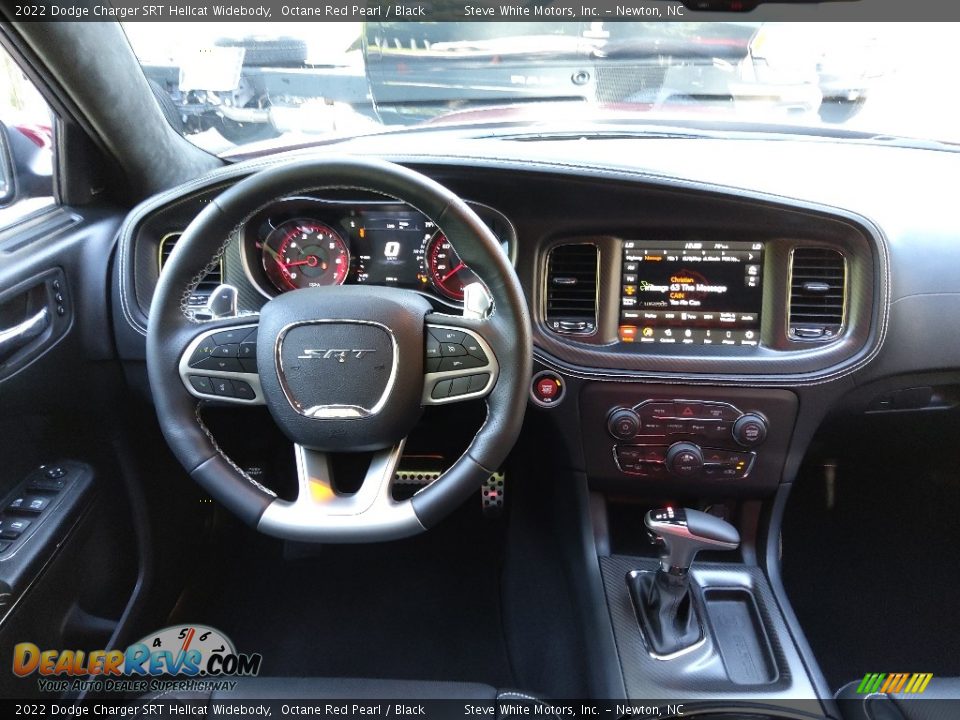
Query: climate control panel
(705, 439)
(684, 440)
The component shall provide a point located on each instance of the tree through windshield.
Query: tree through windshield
(225, 85)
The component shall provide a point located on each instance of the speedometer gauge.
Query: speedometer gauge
(305, 253)
(446, 270)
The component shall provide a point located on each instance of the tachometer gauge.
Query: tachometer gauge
(445, 269)
(305, 253)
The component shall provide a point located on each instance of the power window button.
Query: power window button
(30, 505)
(12, 529)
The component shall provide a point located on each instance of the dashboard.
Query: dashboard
(648, 292)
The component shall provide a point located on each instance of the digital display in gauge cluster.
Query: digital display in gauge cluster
(691, 293)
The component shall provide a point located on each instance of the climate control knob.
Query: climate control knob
(684, 459)
(750, 430)
(623, 423)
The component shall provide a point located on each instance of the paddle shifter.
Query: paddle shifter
(663, 599)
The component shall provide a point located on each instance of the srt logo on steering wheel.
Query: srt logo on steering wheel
(338, 354)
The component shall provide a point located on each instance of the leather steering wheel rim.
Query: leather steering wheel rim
(171, 329)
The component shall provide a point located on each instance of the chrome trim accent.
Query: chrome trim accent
(430, 379)
(252, 379)
(321, 514)
(476, 301)
(533, 383)
(338, 412)
(221, 303)
(20, 334)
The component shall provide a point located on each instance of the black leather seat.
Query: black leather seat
(939, 701)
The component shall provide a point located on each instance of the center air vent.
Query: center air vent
(571, 293)
(206, 286)
(817, 294)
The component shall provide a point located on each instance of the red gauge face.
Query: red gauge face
(305, 253)
(447, 272)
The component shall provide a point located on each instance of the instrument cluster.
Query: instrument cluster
(307, 242)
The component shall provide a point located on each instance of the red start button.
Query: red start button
(547, 388)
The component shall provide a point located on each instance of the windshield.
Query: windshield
(230, 85)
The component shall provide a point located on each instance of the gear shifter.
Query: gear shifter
(664, 599)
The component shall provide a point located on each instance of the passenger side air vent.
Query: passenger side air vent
(571, 293)
(817, 288)
(206, 286)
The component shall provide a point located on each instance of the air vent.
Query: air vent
(817, 287)
(571, 297)
(206, 286)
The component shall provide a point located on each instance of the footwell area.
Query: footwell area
(423, 608)
(875, 579)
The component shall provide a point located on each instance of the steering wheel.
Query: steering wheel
(342, 368)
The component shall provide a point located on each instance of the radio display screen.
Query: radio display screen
(691, 292)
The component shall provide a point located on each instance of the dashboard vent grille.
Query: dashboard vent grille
(571, 294)
(206, 286)
(817, 294)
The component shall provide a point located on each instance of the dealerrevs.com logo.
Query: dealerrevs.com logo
(200, 657)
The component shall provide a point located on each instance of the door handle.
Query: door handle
(14, 338)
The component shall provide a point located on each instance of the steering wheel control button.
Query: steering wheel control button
(231, 337)
(547, 388)
(441, 390)
(455, 353)
(474, 350)
(222, 386)
(452, 350)
(220, 364)
(226, 351)
(750, 430)
(684, 459)
(459, 386)
(203, 352)
(479, 381)
(242, 390)
(623, 423)
(445, 335)
(201, 384)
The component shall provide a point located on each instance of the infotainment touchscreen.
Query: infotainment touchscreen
(692, 293)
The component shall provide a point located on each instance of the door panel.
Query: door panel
(68, 555)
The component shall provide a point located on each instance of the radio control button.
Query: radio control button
(623, 423)
(750, 430)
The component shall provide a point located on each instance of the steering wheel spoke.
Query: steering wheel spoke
(459, 363)
(220, 364)
(322, 513)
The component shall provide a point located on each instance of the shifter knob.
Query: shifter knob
(686, 532)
